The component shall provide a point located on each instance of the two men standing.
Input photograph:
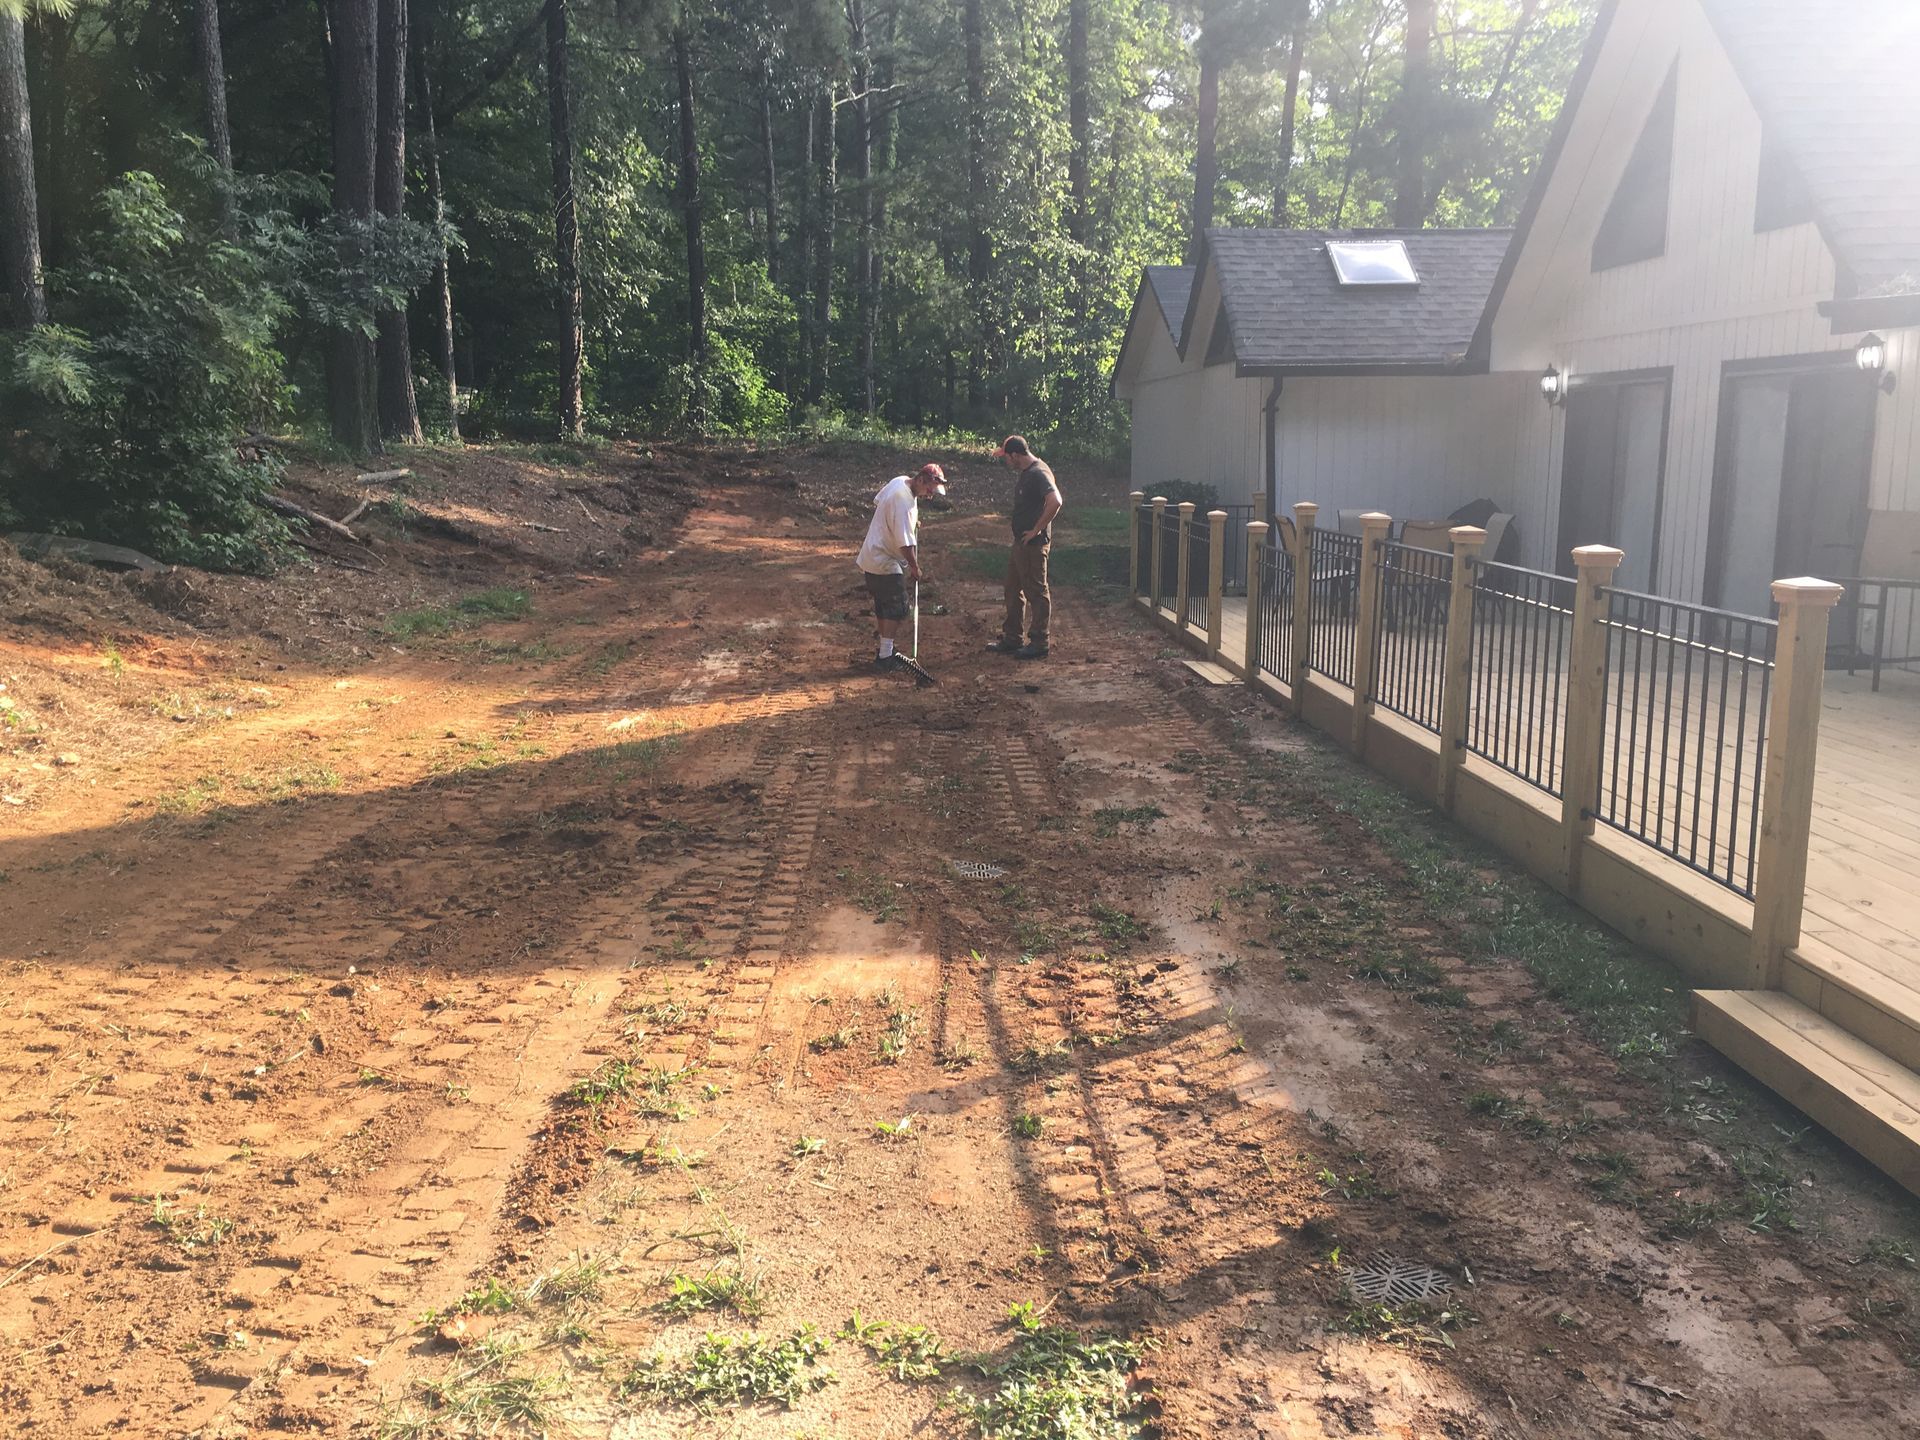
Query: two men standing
(1036, 500)
(890, 556)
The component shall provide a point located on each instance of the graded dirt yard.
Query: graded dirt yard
(449, 1038)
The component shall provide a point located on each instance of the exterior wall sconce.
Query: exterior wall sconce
(1871, 356)
(1553, 386)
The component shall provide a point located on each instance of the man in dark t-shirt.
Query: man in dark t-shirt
(1036, 500)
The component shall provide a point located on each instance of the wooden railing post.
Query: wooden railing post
(1374, 527)
(1135, 499)
(1216, 578)
(1302, 634)
(1183, 566)
(1456, 675)
(1159, 553)
(1256, 541)
(1586, 704)
(1786, 797)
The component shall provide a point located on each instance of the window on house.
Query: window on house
(1372, 262)
(1635, 225)
(1220, 343)
(1782, 197)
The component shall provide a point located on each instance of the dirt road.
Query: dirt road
(658, 972)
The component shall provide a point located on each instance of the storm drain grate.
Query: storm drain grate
(1393, 1281)
(977, 870)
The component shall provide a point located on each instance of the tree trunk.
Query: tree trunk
(399, 416)
(1416, 110)
(1289, 106)
(20, 228)
(566, 225)
(1206, 169)
(771, 173)
(979, 250)
(863, 174)
(353, 37)
(690, 210)
(803, 267)
(213, 81)
(877, 266)
(823, 248)
(1079, 188)
(437, 202)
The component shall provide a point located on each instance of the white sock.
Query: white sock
(886, 648)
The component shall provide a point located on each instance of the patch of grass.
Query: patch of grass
(807, 1145)
(901, 1129)
(628, 758)
(1416, 1325)
(501, 603)
(613, 653)
(909, 1352)
(732, 1370)
(1891, 1251)
(903, 1023)
(1055, 1383)
(733, 1290)
(838, 1039)
(649, 1090)
(578, 1277)
(292, 781)
(193, 798)
(1356, 1184)
(1108, 820)
(479, 1396)
(195, 1232)
(877, 895)
(1116, 926)
(1028, 1126)
(491, 1298)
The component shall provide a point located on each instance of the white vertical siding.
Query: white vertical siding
(1721, 293)
(1415, 447)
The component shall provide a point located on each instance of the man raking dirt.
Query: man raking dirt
(890, 557)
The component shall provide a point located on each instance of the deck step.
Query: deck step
(1212, 673)
(1866, 1099)
(1861, 994)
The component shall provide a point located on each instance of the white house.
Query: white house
(1717, 273)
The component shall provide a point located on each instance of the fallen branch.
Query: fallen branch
(583, 506)
(326, 554)
(283, 506)
(357, 511)
(381, 477)
(549, 529)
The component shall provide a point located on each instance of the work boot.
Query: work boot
(1004, 646)
(885, 663)
(1037, 651)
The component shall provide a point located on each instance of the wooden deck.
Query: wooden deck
(1863, 871)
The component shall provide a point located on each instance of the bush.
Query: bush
(126, 413)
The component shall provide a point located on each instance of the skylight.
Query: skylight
(1371, 262)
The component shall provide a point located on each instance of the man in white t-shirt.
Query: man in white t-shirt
(891, 555)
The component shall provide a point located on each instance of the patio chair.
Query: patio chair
(1417, 598)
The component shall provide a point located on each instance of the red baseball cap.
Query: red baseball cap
(933, 472)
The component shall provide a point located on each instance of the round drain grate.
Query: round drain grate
(1393, 1281)
(977, 870)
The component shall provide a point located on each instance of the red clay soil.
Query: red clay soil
(540, 962)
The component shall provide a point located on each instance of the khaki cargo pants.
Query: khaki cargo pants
(1029, 601)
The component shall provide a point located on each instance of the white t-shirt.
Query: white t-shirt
(895, 526)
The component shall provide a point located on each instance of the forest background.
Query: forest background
(377, 220)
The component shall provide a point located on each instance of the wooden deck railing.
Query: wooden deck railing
(1701, 754)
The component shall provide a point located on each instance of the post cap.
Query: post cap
(1187, 507)
(1464, 535)
(1160, 500)
(1376, 520)
(1305, 509)
(1598, 557)
(1256, 527)
(1136, 494)
(1216, 514)
(1806, 590)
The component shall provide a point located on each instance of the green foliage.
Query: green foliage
(1055, 1383)
(736, 1370)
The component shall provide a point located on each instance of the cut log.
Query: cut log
(36, 546)
(283, 506)
(381, 477)
(357, 511)
(549, 529)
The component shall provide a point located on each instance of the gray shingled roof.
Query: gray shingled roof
(1837, 82)
(1172, 287)
(1286, 309)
